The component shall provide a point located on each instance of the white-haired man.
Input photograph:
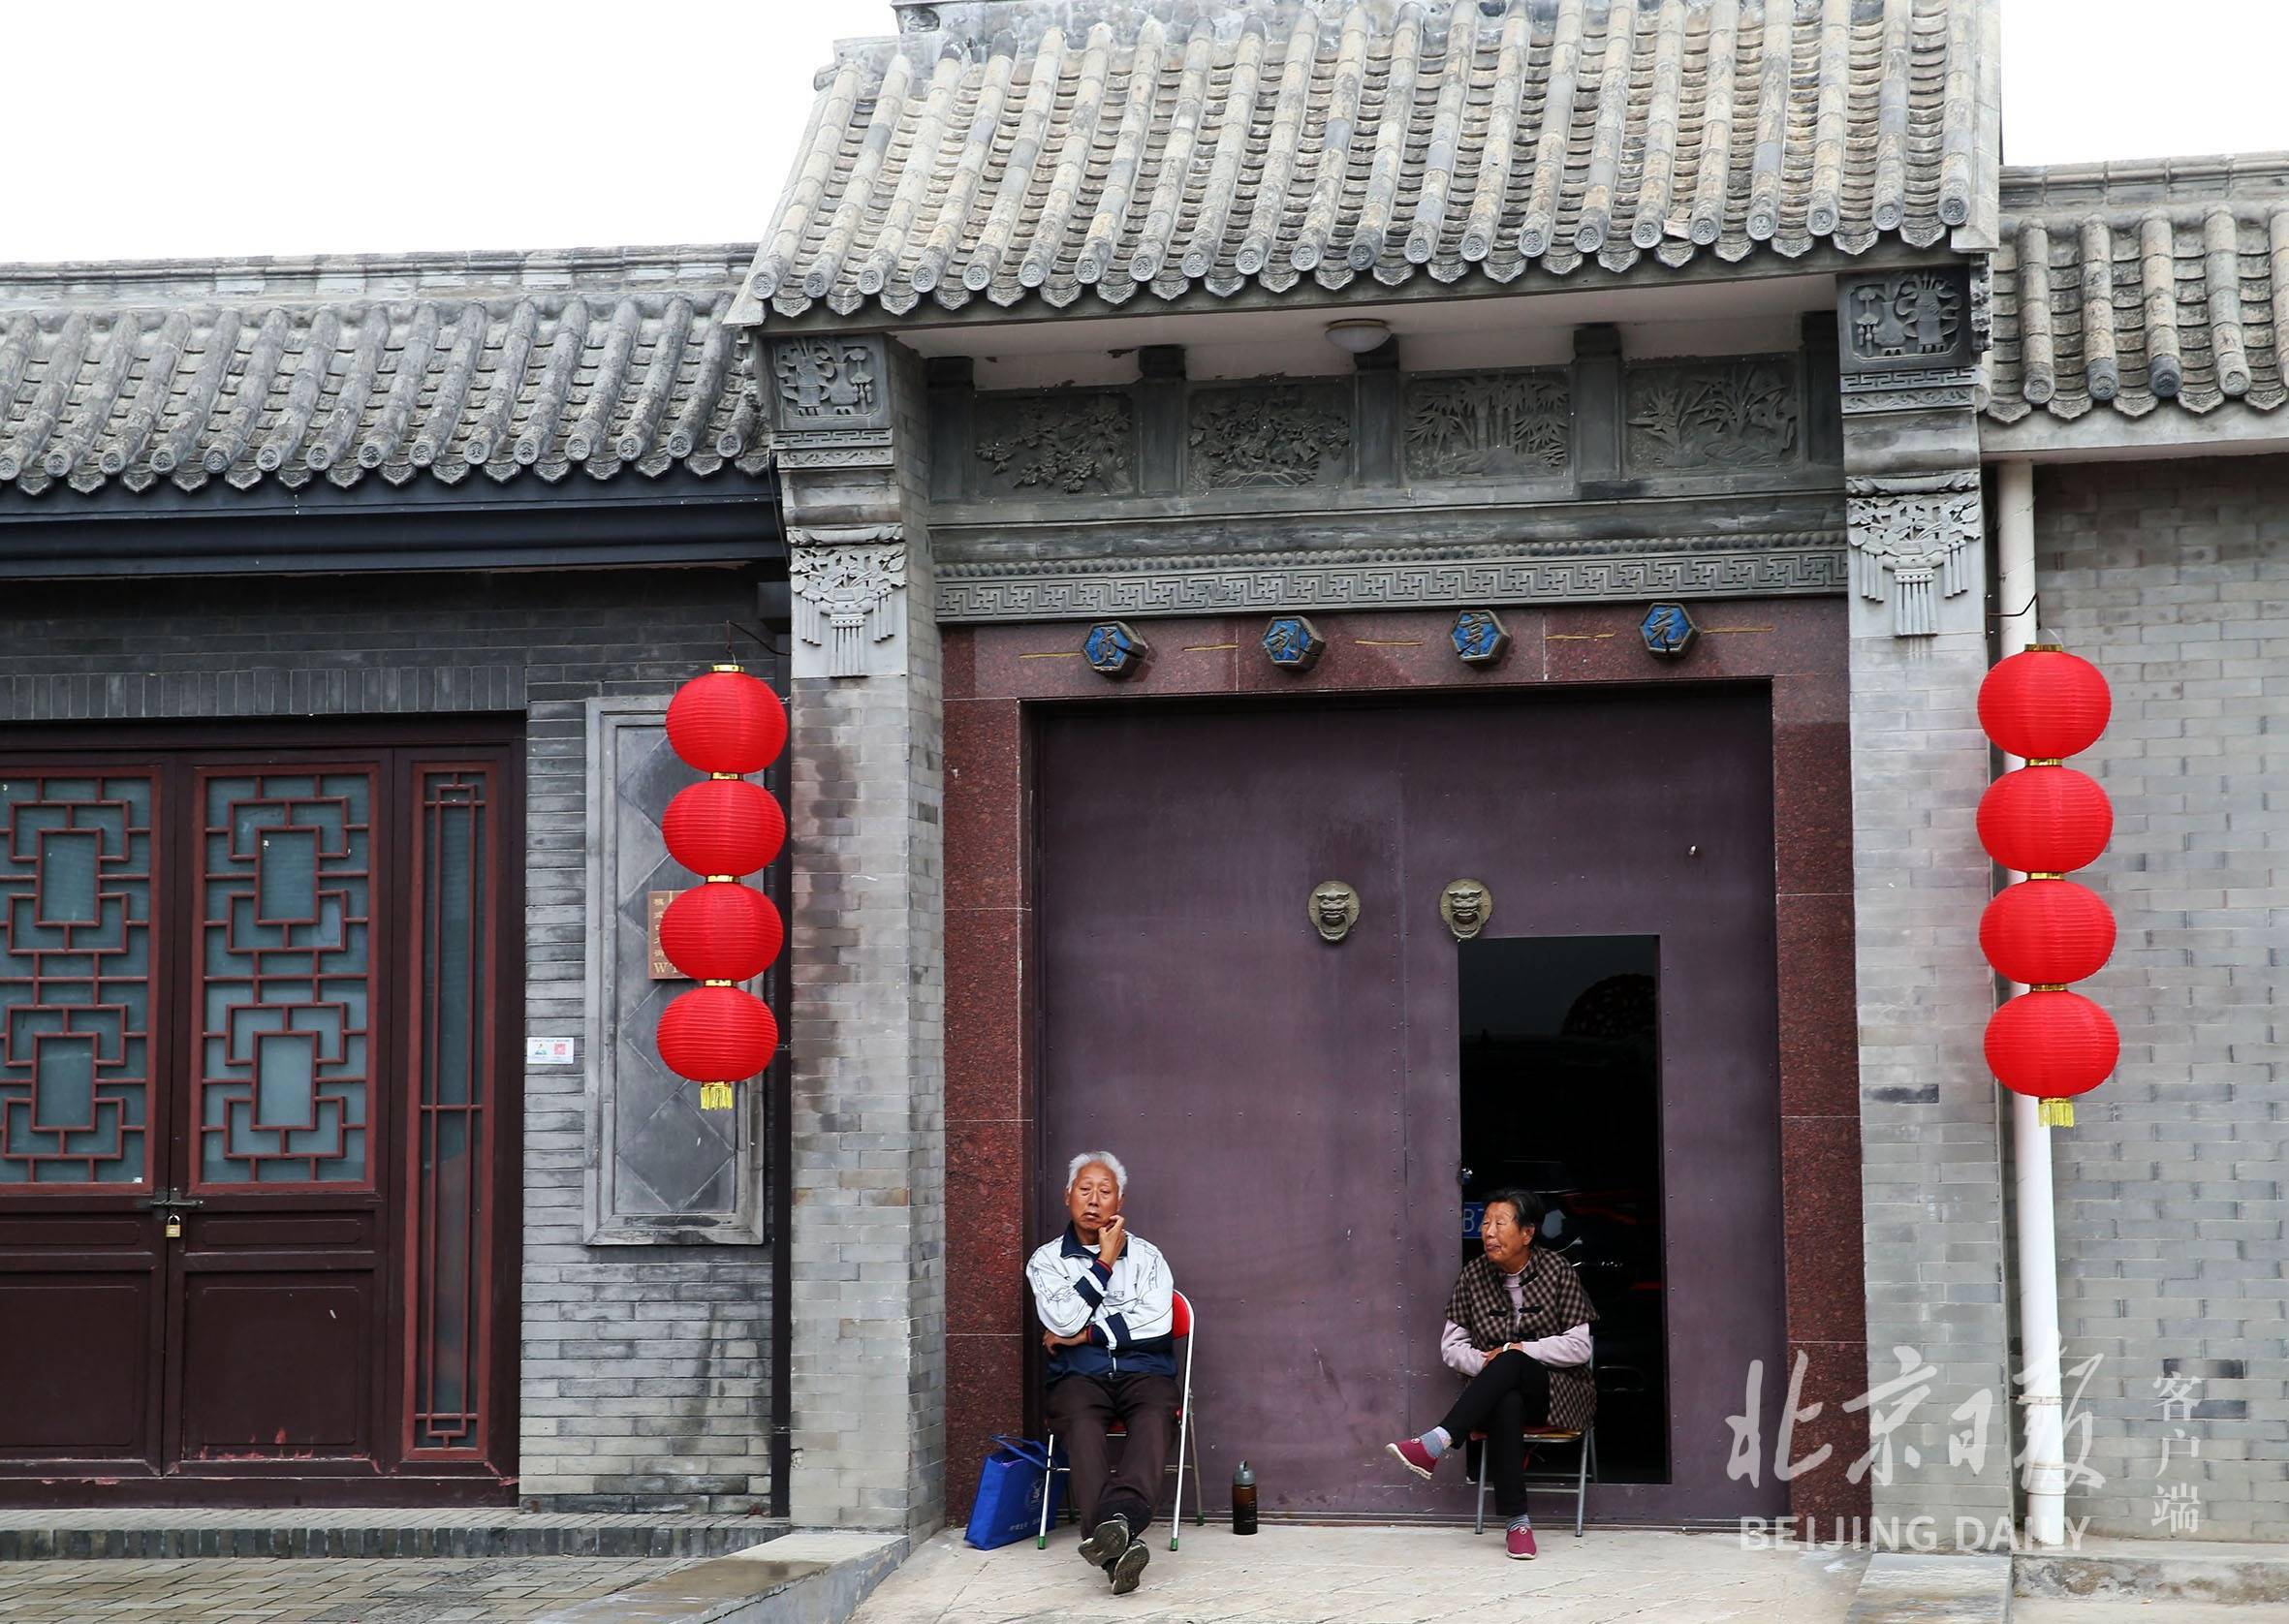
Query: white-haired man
(1107, 1307)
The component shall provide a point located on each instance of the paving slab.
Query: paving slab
(1291, 1574)
(321, 1590)
(133, 1533)
(816, 1578)
(1903, 1589)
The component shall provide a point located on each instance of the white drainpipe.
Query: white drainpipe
(2030, 1140)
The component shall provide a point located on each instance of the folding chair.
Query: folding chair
(1585, 1471)
(1180, 1325)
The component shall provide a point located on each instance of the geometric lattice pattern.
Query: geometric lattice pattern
(285, 978)
(453, 1048)
(74, 979)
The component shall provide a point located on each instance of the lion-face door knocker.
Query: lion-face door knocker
(1334, 910)
(1467, 905)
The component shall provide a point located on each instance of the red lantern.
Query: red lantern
(2045, 932)
(2044, 703)
(726, 722)
(723, 931)
(724, 825)
(2045, 819)
(2053, 1045)
(717, 1034)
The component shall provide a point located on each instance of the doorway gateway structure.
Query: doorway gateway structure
(340, 602)
(1419, 374)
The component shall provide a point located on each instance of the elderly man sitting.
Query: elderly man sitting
(1107, 1301)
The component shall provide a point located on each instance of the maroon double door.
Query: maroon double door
(257, 1118)
(1289, 1110)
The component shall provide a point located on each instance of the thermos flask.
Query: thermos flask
(1243, 1500)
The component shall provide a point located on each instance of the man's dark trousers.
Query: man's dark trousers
(1080, 1409)
(1509, 1395)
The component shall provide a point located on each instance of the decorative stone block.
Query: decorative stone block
(1668, 630)
(1480, 638)
(828, 383)
(1468, 425)
(1276, 435)
(1114, 650)
(1293, 643)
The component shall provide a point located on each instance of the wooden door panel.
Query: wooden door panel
(74, 1365)
(228, 993)
(282, 1367)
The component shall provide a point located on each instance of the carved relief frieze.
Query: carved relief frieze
(1811, 563)
(1071, 442)
(1277, 435)
(1487, 425)
(1908, 320)
(1911, 539)
(1707, 414)
(847, 586)
(828, 383)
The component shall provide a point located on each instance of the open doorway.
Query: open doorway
(1561, 1095)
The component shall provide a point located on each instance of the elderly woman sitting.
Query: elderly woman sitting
(1518, 1326)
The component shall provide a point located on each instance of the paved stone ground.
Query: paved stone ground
(332, 1590)
(2054, 1609)
(1376, 1575)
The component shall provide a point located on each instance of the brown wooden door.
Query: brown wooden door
(1288, 1108)
(252, 1131)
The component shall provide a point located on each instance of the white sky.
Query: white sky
(149, 129)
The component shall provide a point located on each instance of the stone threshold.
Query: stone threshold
(816, 1578)
(146, 1533)
(2193, 1571)
(1900, 1588)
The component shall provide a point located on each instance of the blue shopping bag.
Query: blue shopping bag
(1011, 1483)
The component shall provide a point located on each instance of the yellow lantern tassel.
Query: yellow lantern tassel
(717, 1096)
(2055, 1113)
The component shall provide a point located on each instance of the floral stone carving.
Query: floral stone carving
(1284, 435)
(1477, 426)
(1712, 415)
(1071, 442)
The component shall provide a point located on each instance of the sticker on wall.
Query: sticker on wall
(551, 1051)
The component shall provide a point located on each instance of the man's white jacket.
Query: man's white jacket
(1128, 1310)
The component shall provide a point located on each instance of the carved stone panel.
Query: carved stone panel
(1268, 435)
(660, 1171)
(1465, 425)
(828, 383)
(849, 589)
(1906, 320)
(1914, 543)
(1072, 442)
(1712, 415)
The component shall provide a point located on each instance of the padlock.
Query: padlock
(174, 1228)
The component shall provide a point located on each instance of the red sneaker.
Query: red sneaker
(1521, 1544)
(1414, 1456)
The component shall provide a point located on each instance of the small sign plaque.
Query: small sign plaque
(551, 1051)
(656, 904)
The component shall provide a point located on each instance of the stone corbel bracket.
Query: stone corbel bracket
(848, 587)
(1911, 538)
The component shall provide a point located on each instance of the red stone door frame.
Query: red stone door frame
(996, 675)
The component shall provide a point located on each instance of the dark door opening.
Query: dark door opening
(1560, 1070)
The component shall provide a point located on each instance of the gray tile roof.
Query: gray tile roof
(1126, 146)
(430, 366)
(2132, 286)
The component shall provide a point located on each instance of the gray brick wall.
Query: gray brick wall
(1930, 1122)
(644, 1373)
(2173, 576)
(867, 1365)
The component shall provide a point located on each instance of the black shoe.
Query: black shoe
(1129, 1571)
(1104, 1547)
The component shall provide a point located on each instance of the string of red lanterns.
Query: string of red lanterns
(2045, 820)
(722, 932)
